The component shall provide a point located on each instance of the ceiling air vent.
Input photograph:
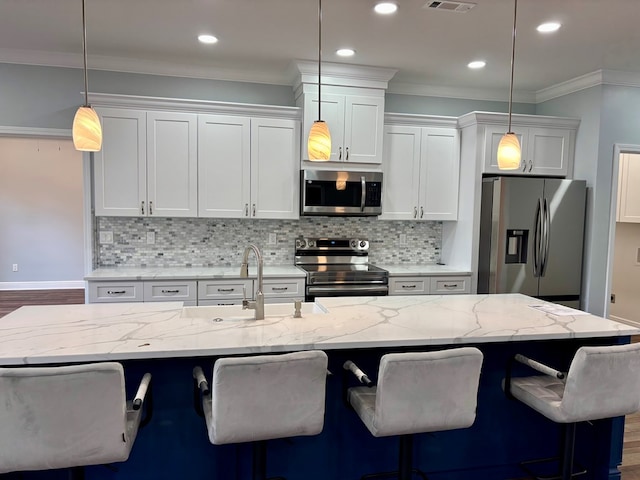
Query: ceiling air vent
(450, 6)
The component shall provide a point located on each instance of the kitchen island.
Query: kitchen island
(168, 340)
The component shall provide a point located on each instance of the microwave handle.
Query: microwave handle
(363, 197)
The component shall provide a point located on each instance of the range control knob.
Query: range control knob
(363, 244)
(312, 243)
(301, 243)
(354, 243)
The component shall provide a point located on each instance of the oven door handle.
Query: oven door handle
(350, 289)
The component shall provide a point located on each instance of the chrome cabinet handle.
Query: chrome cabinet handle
(421, 212)
(339, 153)
(150, 208)
(142, 207)
(226, 289)
(524, 166)
(347, 157)
(246, 209)
(279, 289)
(254, 209)
(116, 292)
(415, 212)
(530, 164)
(170, 291)
(409, 286)
(450, 285)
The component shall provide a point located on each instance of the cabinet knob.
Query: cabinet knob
(150, 208)
(347, 157)
(530, 164)
(142, 207)
(339, 153)
(254, 209)
(421, 212)
(246, 209)
(415, 212)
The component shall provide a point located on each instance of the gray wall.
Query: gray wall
(453, 107)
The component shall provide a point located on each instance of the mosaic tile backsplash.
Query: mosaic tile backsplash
(201, 242)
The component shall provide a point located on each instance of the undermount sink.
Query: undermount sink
(235, 312)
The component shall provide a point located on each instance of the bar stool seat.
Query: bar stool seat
(69, 416)
(418, 393)
(259, 398)
(602, 382)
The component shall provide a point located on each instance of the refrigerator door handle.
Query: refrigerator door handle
(537, 240)
(545, 238)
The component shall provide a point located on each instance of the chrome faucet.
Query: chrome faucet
(258, 303)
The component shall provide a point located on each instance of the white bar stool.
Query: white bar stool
(602, 382)
(67, 417)
(254, 399)
(417, 393)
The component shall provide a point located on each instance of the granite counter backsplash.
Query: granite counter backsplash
(210, 242)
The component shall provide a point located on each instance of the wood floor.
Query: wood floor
(10, 300)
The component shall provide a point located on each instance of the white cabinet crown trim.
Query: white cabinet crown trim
(339, 74)
(411, 119)
(193, 106)
(474, 118)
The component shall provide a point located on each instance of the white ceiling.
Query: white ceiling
(258, 39)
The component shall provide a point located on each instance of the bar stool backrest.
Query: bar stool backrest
(268, 396)
(427, 391)
(602, 382)
(59, 417)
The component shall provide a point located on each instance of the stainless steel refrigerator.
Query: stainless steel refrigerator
(531, 238)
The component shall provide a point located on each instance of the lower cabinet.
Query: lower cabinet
(201, 292)
(435, 285)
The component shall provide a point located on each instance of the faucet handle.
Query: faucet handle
(297, 305)
(244, 292)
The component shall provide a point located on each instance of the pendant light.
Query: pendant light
(509, 152)
(87, 131)
(319, 142)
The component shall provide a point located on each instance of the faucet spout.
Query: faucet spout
(258, 303)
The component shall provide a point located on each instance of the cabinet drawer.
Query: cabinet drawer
(409, 286)
(170, 291)
(224, 289)
(449, 285)
(276, 288)
(114, 292)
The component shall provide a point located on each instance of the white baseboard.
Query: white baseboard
(624, 320)
(51, 285)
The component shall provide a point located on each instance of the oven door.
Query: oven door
(346, 291)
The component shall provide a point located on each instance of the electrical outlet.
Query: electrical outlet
(15, 267)
(151, 238)
(403, 239)
(272, 239)
(106, 237)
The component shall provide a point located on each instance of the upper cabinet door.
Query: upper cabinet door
(275, 168)
(548, 151)
(401, 173)
(332, 112)
(629, 194)
(440, 174)
(224, 158)
(172, 164)
(120, 167)
(363, 129)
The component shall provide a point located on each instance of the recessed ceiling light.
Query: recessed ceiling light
(345, 52)
(477, 64)
(548, 27)
(385, 8)
(207, 39)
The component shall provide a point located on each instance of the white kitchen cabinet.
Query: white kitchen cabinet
(545, 151)
(283, 290)
(115, 292)
(224, 292)
(429, 285)
(421, 170)
(147, 165)
(628, 193)
(355, 123)
(450, 285)
(409, 285)
(248, 167)
(170, 291)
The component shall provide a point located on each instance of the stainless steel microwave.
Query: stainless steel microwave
(332, 192)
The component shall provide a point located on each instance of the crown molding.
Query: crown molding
(484, 94)
(570, 86)
(496, 118)
(35, 132)
(339, 74)
(420, 120)
(193, 106)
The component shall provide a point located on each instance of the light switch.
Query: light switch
(151, 238)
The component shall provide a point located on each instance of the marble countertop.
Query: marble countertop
(99, 332)
(429, 270)
(190, 273)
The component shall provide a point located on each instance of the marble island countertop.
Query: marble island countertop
(98, 332)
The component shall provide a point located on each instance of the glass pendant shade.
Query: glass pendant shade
(509, 152)
(319, 143)
(87, 131)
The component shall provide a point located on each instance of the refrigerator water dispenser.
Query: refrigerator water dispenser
(517, 241)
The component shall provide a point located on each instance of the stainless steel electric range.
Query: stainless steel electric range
(339, 267)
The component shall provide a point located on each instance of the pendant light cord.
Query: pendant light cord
(84, 52)
(513, 58)
(319, 57)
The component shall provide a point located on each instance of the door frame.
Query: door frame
(618, 150)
